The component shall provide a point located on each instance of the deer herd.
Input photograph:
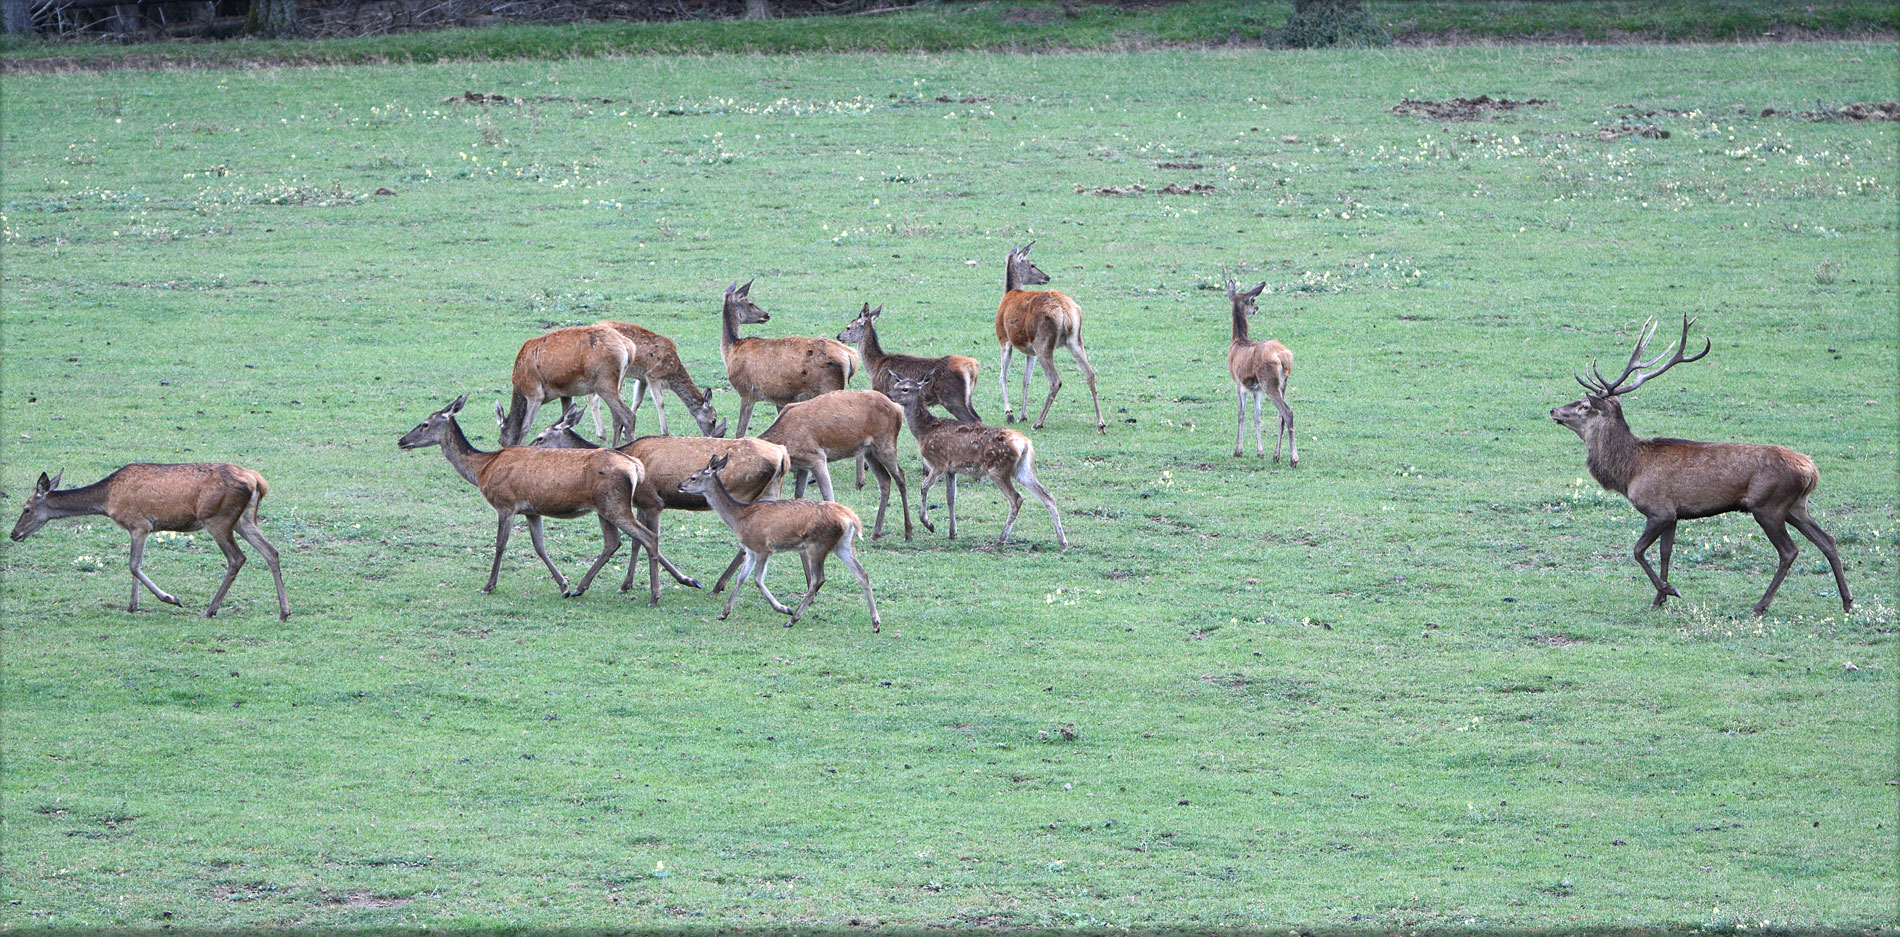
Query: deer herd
(626, 483)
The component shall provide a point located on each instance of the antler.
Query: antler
(1640, 368)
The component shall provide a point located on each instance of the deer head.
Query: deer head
(1245, 303)
(906, 391)
(740, 307)
(1600, 402)
(431, 431)
(1022, 270)
(702, 481)
(34, 514)
(855, 332)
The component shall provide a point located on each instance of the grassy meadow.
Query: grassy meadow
(1416, 682)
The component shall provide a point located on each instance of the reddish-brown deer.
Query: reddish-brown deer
(840, 425)
(951, 378)
(1675, 479)
(776, 370)
(572, 362)
(1035, 322)
(951, 447)
(656, 366)
(216, 497)
(813, 528)
(1260, 369)
(537, 483)
(755, 471)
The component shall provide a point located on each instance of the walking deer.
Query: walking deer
(216, 497)
(537, 483)
(656, 366)
(813, 528)
(755, 471)
(1035, 322)
(1676, 479)
(1260, 369)
(840, 425)
(776, 370)
(950, 447)
(572, 362)
(952, 378)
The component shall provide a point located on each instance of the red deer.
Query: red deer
(656, 366)
(568, 363)
(1675, 479)
(756, 471)
(840, 425)
(814, 528)
(1035, 322)
(950, 447)
(776, 370)
(1260, 369)
(537, 483)
(216, 497)
(952, 378)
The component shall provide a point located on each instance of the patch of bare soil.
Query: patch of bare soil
(1886, 110)
(363, 899)
(1029, 16)
(1482, 107)
(1651, 131)
(1557, 640)
(1136, 188)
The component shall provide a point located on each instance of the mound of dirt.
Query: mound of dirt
(1886, 110)
(1482, 107)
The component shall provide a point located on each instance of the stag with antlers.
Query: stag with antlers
(1675, 479)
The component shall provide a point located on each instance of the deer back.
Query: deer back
(559, 482)
(1023, 313)
(838, 423)
(972, 448)
(754, 468)
(1700, 479)
(572, 362)
(1258, 365)
(782, 370)
(158, 496)
(775, 526)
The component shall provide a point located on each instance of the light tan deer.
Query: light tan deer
(1035, 322)
(1262, 370)
(755, 471)
(813, 528)
(216, 497)
(952, 378)
(776, 370)
(572, 362)
(1676, 479)
(840, 425)
(656, 366)
(537, 483)
(950, 447)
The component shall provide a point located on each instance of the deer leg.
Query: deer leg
(923, 498)
(895, 469)
(860, 461)
(1665, 548)
(247, 526)
(1259, 444)
(950, 501)
(647, 538)
(1804, 522)
(1046, 358)
(745, 414)
(540, 550)
(640, 389)
(1278, 396)
(1015, 500)
(233, 561)
(730, 567)
(848, 554)
(1776, 527)
(1026, 474)
(593, 409)
(650, 519)
(504, 527)
(609, 545)
(758, 579)
(138, 574)
(1002, 377)
(1088, 377)
(814, 579)
(1651, 530)
(1240, 419)
(883, 496)
(623, 417)
(745, 570)
(822, 471)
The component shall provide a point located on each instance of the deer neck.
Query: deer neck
(1614, 453)
(728, 330)
(1240, 325)
(921, 421)
(467, 460)
(723, 503)
(1010, 283)
(869, 347)
(76, 502)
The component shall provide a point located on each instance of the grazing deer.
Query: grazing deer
(776, 370)
(1676, 479)
(1035, 322)
(952, 378)
(656, 366)
(216, 497)
(840, 425)
(1260, 369)
(949, 447)
(572, 362)
(537, 483)
(813, 528)
(755, 471)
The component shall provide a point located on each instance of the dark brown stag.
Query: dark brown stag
(1676, 479)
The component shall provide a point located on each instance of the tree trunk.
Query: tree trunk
(758, 9)
(271, 18)
(16, 17)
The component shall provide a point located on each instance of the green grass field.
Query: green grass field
(1416, 682)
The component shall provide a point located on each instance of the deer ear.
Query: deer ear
(1256, 291)
(717, 462)
(734, 288)
(500, 413)
(746, 289)
(45, 485)
(456, 407)
(1231, 289)
(878, 311)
